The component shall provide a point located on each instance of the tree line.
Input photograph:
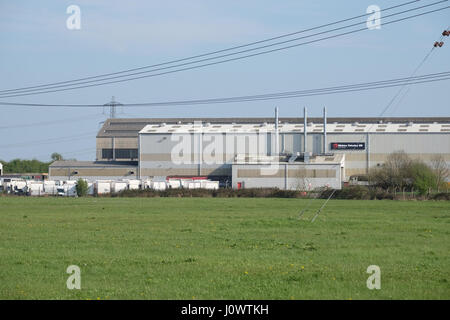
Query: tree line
(401, 173)
(29, 166)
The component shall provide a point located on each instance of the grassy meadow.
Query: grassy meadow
(211, 248)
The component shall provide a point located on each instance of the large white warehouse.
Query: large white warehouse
(219, 148)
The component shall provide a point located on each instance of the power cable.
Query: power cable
(49, 141)
(408, 82)
(441, 76)
(206, 54)
(227, 60)
(414, 72)
(48, 123)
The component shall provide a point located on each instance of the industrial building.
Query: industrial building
(93, 170)
(307, 152)
(318, 172)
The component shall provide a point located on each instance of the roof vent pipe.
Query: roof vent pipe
(276, 132)
(305, 130)
(324, 130)
(276, 118)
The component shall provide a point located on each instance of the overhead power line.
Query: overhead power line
(204, 54)
(232, 59)
(23, 93)
(427, 56)
(427, 78)
(49, 141)
(53, 122)
(406, 83)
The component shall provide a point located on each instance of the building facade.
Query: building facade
(218, 148)
(213, 148)
(92, 170)
(318, 172)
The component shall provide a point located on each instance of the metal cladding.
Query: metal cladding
(366, 144)
(130, 127)
(140, 148)
(333, 127)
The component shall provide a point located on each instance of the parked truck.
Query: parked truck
(102, 186)
(35, 188)
(118, 186)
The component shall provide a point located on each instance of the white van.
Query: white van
(103, 187)
(118, 186)
(35, 188)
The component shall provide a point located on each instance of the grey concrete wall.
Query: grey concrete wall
(94, 173)
(287, 176)
(156, 150)
(119, 143)
(163, 154)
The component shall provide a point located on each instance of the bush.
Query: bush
(355, 192)
(399, 172)
(380, 194)
(350, 192)
(423, 178)
(394, 172)
(358, 193)
(82, 188)
(441, 196)
(441, 171)
(220, 193)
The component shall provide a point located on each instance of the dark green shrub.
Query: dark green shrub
(353, 192)
(350, 192)
(220, 193)
(441, 196)
(422, 177)
(82, 188)
(380, 194)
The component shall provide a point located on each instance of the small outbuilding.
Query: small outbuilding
(317, 172)
(92, 170)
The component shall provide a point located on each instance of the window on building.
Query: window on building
(120, 153)
(126, 153)
(107, 153)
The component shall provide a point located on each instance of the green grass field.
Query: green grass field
(208, 248)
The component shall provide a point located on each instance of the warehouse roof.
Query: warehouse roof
(93, 164)
(285, 127)
(132, 127)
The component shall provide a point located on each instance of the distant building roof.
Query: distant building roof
(93, 164)
(336, 127)
(132, 127)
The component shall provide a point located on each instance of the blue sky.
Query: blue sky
(36, 47)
